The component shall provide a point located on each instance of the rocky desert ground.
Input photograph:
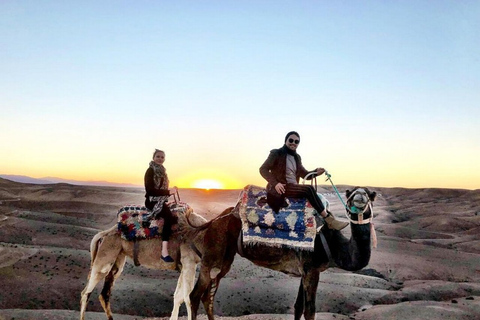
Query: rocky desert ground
(426, 265)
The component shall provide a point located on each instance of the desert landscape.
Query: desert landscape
(426, 265)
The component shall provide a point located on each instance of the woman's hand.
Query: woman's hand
(173, 190)
(280, 188)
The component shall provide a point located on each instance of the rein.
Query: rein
(354, 210)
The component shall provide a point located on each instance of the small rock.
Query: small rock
(454, 301)
(365, 307)
(470, 298)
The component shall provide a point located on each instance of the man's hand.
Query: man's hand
(320, 171)
(280, 188)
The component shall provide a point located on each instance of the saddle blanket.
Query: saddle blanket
(136, 222)
(293, 226)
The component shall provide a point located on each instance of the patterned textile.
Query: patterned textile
(137, 223)
(293, 226)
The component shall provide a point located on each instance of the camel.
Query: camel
(109, 252)
(220, 246)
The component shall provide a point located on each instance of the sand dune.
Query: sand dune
(426, 265)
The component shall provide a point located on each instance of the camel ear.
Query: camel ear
(348, 193)
(372, 196)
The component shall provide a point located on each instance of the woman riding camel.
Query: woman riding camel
(282, 170)
(157, 193)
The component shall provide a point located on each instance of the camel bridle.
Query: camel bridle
(350, 210)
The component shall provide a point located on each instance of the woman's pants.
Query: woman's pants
(168, 220)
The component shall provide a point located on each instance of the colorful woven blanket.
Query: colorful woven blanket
(293, 226)
(137, 222)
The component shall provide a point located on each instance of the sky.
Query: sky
(382, 93)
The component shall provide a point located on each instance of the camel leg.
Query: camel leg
(185, 284)
(93, 279)
(216, 275)
(203, 283)
(300, 302)
(218, 259)
(178, 296)
(310, 284)
(113, 275)
(208, 298)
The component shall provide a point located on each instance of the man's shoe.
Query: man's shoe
(333, 223)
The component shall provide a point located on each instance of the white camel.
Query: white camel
(109, 252)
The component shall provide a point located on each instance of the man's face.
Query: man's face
(292, 142)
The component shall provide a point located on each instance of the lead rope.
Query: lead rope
(329, 178)
(175, 196)
(373, 233)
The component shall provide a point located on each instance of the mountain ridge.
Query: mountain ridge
(53, 180)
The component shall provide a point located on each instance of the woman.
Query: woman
(157, 193)
(282, 170)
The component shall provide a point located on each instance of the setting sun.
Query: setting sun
(207, 184)
(206, 178)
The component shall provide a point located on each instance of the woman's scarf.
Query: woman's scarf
(159, 173)
(160, 178)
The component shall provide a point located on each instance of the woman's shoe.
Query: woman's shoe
(167, 259)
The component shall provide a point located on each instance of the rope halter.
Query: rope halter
(357, 204)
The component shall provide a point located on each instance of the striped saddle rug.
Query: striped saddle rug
(293, 226)
(138, 223)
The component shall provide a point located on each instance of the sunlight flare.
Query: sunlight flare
(207, 184)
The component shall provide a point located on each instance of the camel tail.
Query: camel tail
(96, 242)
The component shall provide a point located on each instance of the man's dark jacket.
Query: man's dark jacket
(274, 171)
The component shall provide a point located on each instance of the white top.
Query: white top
(291, 171)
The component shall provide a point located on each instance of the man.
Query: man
(283, 170)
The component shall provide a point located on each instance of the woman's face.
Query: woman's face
(292, 142)
(159, 158)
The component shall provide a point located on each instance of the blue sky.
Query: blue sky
(382, 93)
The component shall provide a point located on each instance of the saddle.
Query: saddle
(293, 226)
(136, 222)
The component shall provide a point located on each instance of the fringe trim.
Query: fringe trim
(278, 243)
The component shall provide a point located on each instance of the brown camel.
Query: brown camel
(220, 246)
(109, 251)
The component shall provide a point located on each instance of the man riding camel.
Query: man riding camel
(283, 170)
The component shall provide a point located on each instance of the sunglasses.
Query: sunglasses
(293, 141)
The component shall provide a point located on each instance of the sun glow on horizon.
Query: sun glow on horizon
(206, 178)
(207, 184)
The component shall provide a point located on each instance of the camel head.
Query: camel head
(359, 203)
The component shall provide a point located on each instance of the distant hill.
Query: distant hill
(52, 180)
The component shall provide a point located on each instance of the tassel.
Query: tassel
(374, 235)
